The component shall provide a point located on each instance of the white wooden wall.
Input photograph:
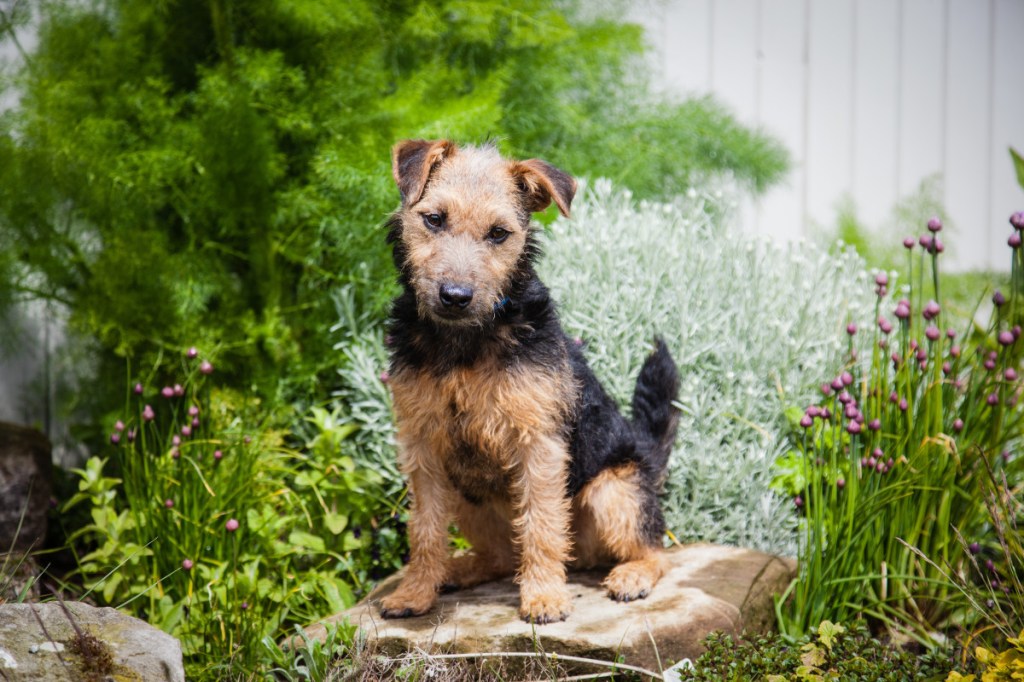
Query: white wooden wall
(871, 97)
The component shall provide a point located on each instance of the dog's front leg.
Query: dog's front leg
(542, 530)
(428, 546)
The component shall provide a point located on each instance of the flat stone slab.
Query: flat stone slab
(117, 646)
(707, 588)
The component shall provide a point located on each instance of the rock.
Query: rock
(113, 646)
(707, 588)
(26, 483)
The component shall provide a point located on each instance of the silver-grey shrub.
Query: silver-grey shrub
(754, 327)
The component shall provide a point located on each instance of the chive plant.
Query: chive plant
(894, 457)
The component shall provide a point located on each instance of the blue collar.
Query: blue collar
(501, 304)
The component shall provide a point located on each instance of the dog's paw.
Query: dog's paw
(629, 582)
(404, 605)
(541, 608)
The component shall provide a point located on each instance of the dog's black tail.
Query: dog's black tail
(654, 415)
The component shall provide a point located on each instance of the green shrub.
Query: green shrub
(834, 652)
(204, 524)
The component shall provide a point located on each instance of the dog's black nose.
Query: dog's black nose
(455, 295)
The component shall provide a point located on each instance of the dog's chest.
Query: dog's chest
(477, 422)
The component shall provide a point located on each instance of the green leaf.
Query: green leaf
(1018, 165)
(827, 632)
(306, 540)
(335, 522)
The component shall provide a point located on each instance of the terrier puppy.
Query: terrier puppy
(502, 426)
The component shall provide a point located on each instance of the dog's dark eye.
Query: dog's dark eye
(435, 221)
(497, 234)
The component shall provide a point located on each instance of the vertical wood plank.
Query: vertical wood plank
(828, 157)
(875, 109)
(1006, 195)
(687, 46)
(780, 104)
(967, 130)
(734, 56)
(922, 76)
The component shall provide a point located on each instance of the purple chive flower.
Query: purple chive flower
(826, 389)
(883, 343)
(946, 368)
(840, 483)
(244, 606)
(922, 365)
(798, 501)
(175, 453)
(813, 411)
(902, 310)
(385, 377)
(247, 439)
(186, 431)
(931, 310)
(187, 564)
(175, 439)
(958, 425)
(950, 334)
(193, 411)
(178, 390)
(138, 389)
(115, 438)
(990, 565)
(231, 525)
(853, 428)
(934, 224)
(1006, 338)
(131, 436)
(903, 405)
(837, 383)
(885, 325)
(998, 299)
(1005, 454)
(938, 246)
(882, 279)
(992, 399)
(932, 333)
(955, 351)
(192, 353)
(875, 424)
(1015, 331)
(167, 392)
(195, 422)
(147, 413)
(1017, 220)
(871, 462)
(826, 414)
(880, 467)
(847, 378)
(921, 355)
(851, 329)
(893, 397)
(217, 454)
(1014, 240)
(845, 398)
(119, 425)
(1010, 374)
(169, 503)
(806, 421)
(206, 367)
(851, 411)
(925, 241)
(908, 242)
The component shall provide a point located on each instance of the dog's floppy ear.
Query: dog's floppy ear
(541, 183)
(411, 163)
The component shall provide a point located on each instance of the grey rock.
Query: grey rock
(26, 483)
(707, 588)
(137, 650)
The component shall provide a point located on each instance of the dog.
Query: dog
(502, 427)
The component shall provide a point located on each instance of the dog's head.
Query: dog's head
(462, 236)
